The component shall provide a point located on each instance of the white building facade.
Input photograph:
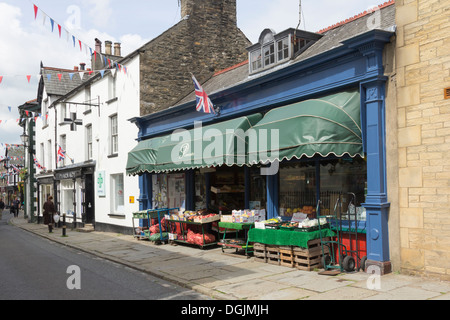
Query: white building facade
(90, 183)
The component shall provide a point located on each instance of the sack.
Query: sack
(56, 218)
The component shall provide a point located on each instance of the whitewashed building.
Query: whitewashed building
(90, 123)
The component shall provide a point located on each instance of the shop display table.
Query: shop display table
(238, 244)
(286, 238)
(184, 224)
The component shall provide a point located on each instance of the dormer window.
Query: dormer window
(273, 49)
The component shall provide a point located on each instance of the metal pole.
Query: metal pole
(64, 226)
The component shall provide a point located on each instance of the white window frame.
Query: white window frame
(114, 134)
(89, 143)
(117, 193)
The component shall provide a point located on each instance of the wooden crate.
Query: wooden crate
(309, 258)
(287, 256)
(273, 254)
(259, 252)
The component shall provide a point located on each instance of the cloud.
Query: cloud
(100, 11)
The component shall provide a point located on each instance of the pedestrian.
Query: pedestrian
(49, 211)
(2, 207)
(16, 206)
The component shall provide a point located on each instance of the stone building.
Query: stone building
(419, 128)
(205, 41)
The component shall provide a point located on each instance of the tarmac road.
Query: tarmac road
(33, 268)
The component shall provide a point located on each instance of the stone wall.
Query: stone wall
(203, 43)
(423, 120)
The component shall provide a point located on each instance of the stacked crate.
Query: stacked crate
(306, 259)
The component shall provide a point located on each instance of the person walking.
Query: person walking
(2, 207)
(49, 211)
(16, 206)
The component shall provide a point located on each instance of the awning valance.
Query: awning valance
(330, 125)
(219, 144)
(215, 145)
(143, 158)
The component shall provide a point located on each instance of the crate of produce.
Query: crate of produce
(287, 256)
(309, 258)
(259, 252)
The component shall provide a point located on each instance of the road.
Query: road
(33, 268)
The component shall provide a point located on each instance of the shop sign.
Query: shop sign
(101, 182)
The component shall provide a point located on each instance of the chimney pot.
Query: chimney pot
(117, 49)
(82, 66)
(98, 45)
(108, 47)
(75, 68)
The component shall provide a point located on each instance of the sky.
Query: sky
(25, 41)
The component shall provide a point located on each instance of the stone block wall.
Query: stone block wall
(205, 41)
(423, 121)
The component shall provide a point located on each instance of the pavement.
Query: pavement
(230, 276)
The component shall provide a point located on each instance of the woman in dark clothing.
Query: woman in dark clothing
(49, 211)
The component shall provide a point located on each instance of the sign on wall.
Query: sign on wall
(101, 184)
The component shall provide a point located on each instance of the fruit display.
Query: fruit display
(309, 210)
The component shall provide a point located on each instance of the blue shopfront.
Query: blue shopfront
(322, 150)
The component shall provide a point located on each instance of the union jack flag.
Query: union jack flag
(61, 154)
(203, 102)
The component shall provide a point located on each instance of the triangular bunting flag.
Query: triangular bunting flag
(52, 23)
(59, 76)
(59, 29)
(35, 11)
(81, 47)
(49, 77)
(73, 38)
(28, 78)
(1, 79)
(71, 76)
(81, 75)
(102, 72)
(113, 72)
(9, 108)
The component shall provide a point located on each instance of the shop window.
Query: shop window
(117, 193)
(169, 190)
(227, 189)
(176, 191)
(297, 187)
(200, 191)
(342, 176)
(67, 197)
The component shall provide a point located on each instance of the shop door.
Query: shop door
(89, 199)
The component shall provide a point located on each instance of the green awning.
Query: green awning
(330, 125)
(219, 144)
(143, 158)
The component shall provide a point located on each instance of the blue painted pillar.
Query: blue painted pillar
(377, 205)
(272, 196)
(146, 192)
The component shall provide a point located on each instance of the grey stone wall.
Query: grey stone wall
(206, 42)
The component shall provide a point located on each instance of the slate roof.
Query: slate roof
(332, 38)
(56, 87)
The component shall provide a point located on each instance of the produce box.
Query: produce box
(206, 219)
(226, 218)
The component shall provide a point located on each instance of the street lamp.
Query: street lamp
(25, 139)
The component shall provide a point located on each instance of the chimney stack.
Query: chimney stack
(82, 66)
(108, 47)
(117, 49)
(98, 46)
